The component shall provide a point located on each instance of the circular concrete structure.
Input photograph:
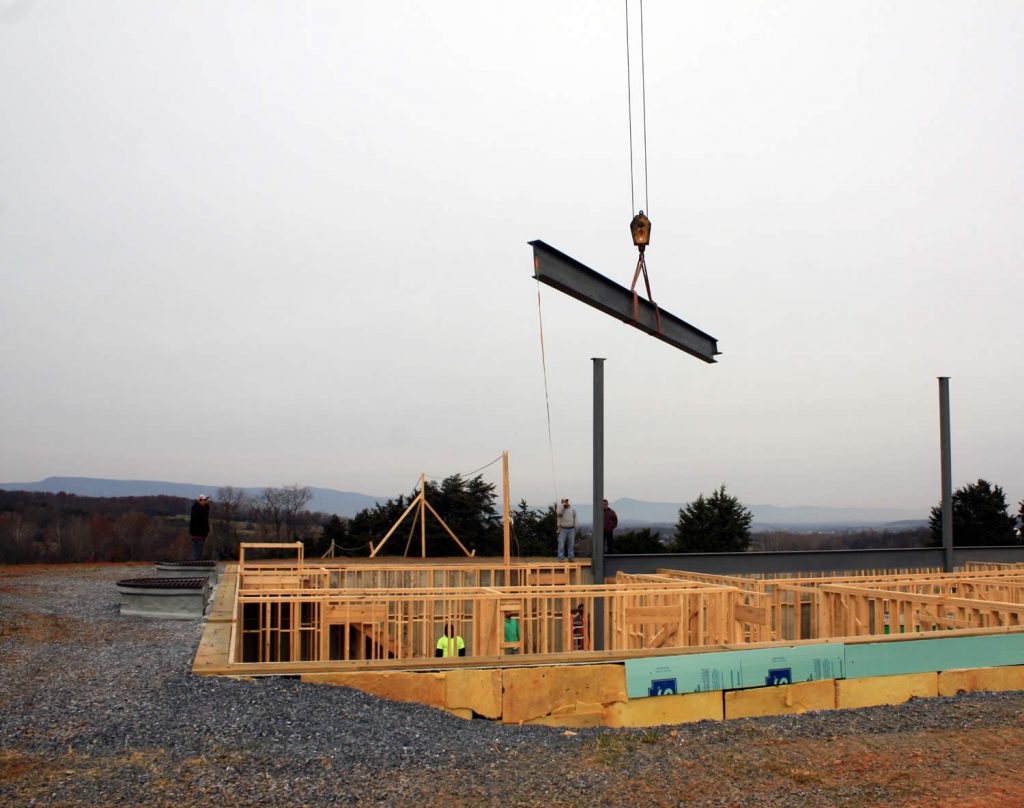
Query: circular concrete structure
(168, 598)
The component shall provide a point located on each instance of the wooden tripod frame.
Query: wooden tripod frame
(420, 506)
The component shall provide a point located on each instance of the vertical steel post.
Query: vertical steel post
(947, 474)
(597, 552)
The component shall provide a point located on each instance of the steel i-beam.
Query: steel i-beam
(558, 270)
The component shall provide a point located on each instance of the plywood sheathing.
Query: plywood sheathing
(418, 688)
(952, 683)
(879, 690)
(580, 714)
(531, 693)
(649, 712)
(780, 700)
(476, 690)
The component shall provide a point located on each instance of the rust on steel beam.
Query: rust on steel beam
(559, 271)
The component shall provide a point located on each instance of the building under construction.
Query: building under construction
(635, 649)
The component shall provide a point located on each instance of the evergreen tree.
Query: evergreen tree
(533, 531)
(979, 517)
(334, 533)
(371, 524)
(715, 524)
(641, 542)
(468, 508)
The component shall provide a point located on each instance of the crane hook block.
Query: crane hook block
(640, 228)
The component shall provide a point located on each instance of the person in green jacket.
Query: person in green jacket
(511, 632)
(450, 643)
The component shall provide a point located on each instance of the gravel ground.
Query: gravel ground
(99, 709)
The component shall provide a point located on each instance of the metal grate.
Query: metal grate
(163, 583)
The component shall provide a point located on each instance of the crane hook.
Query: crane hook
(640, 228)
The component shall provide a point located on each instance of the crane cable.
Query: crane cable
(464, 474)
(544, 366)
(640, 226)
(641, 265)
(629, 102)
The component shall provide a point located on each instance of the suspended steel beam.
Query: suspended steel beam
(558, 270)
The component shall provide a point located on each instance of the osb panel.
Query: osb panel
(650, 712)
(422, 688)
(970, 681)
(885, 689)
(479, 691)
(535, 692)
(780, 700)
(581, 714)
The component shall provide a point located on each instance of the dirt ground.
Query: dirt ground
(966, 769)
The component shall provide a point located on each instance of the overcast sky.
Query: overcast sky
(267, 243)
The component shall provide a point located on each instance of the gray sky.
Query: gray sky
(258, 244)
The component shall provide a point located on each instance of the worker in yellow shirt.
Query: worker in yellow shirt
(449, 643)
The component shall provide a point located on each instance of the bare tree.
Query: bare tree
(295, 501)
(229, 508)
(278, 509)
(14, 538)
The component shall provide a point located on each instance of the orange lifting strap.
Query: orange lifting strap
(640, 229)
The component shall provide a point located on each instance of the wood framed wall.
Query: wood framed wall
(344, 615)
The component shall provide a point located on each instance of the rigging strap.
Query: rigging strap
(641, 267)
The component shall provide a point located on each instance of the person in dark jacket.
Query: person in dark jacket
(611, 521)
(199, 525)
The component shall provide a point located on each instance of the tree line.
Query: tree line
(38, 527)
(42, 527)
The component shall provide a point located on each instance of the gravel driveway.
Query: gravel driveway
(99, 709)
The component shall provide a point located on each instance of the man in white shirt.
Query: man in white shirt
(566, 516)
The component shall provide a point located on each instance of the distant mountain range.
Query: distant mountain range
(325, 500)
(768, 517)
(631, 512)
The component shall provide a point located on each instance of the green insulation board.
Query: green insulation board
(732, 670)
(764, 667)
(937, 654)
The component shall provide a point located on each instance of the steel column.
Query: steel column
(597, 552)
(947, 474)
